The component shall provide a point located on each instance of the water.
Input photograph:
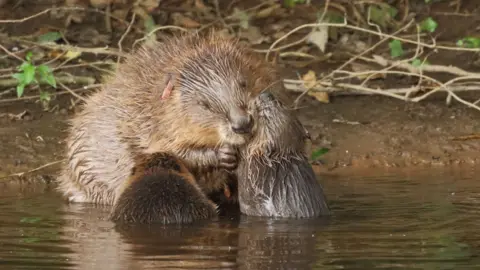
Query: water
(426, 220)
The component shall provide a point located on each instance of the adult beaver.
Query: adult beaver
(274, 175)
(161, 190)
(191, 96)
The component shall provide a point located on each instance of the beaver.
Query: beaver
(161, 190)
(274, 175)
(190, 96)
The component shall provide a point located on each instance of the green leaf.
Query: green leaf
(46, 75)
(20, 89)
(29, 74)
(428, 25)
(292, 3)
(317, 153)
(28, 56)
(333, 17)
(149, 24)
(19, 76)
(392, 11)
(469, 42)
(24, 65)
(396, 49)
(416, 62)
(49, 37)
(377, 16)
(382, 15)
(30, 220)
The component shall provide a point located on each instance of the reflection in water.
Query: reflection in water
(421, 221)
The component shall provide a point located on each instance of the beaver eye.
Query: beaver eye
(204, 105)
(243, 84)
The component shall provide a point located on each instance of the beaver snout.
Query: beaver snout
(241, 122)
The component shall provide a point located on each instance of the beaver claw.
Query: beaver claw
(227, 156)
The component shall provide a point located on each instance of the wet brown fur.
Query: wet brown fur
(128, 116)
(161, 190)
(274, 175)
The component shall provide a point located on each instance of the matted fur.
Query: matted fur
(211, 76)
(274, 175)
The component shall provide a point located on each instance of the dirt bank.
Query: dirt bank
(359, 131)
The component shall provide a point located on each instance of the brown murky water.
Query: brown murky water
(427, 220)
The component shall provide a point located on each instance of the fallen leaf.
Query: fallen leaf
(309, 79)
(180, 19)
(319, 37)
(320, 96)
(72, 54)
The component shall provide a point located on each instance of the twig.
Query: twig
(60, 79)
(124, 35)
(158, 29)
(71, 91)
(387, 36)
(11, 54)
(88, 87)
(40, 14)
(105, 50)
(425, 68)
(32, 170)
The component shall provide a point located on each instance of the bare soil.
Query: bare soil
(360, 131)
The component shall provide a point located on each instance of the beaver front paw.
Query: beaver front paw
(227, 157)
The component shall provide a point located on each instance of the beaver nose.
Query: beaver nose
(241, 122)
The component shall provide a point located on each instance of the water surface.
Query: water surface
(422, 220)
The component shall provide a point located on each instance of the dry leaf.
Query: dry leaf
(319, 37)
(72, 54)
(309, 79)
(181, 20)
(320, 96)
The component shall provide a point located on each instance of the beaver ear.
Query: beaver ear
(169, 85)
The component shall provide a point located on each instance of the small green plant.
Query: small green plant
(418, 63)
(469, 42)
(396, 48)
(318, 153)
(31, 74)
(292, 3)
(382, 15)
(429, 25)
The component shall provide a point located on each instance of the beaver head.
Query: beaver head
(199, 89)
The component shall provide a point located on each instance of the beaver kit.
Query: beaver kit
(192, 98)
(274, 175)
